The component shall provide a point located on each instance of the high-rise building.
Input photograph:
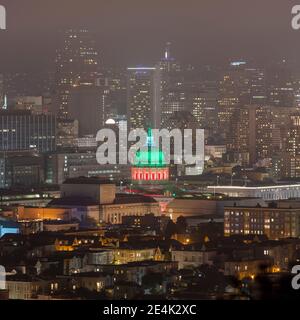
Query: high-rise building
(173, 93)
(77, 64)
(24, 130)
(114, 91)
(259, 132)
(143, 97)
(280, 86)
(203, 102)
(240, 85)
(291, 151)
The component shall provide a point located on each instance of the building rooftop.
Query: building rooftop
(73, 201)
(85, 180)
(122, 198)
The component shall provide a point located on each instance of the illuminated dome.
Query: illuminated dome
(152, 158)
(149, 165)
(110, 121)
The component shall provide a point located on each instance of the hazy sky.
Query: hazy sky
(134, 31)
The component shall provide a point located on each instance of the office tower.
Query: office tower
(77, 65)
(202, 97)
(240, 85)
(280, 86)
(85, 106)
(251, 128)
(173, 94)
(143, 97)
(114, 91)
(24, 130)
(259, 132)
(291, 154)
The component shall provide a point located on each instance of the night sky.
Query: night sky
(134, 31)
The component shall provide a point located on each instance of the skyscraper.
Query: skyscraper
(77, 64)
(281, 91)
(240, 85)
(143, 97)
(261, 132)
(291, 164)
(173, 94)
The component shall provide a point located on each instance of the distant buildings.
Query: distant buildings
(61, 166)
(67, 133)
(23, 169)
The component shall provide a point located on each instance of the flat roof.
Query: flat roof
(256, 187)
(85, 180)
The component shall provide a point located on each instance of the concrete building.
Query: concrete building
(128, 205)
(269, 193)
(100, 191)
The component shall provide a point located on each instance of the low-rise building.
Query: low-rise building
(274, 221)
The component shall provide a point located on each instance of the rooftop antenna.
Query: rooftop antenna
(168, 51)
(5, 103)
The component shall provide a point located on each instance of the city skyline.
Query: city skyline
(230, 34)
(149, 150)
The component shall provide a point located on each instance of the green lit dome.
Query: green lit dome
(152, 158)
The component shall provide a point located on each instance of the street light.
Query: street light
(232, 175)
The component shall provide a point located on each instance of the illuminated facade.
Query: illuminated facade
(275, 223)
(150, 167)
